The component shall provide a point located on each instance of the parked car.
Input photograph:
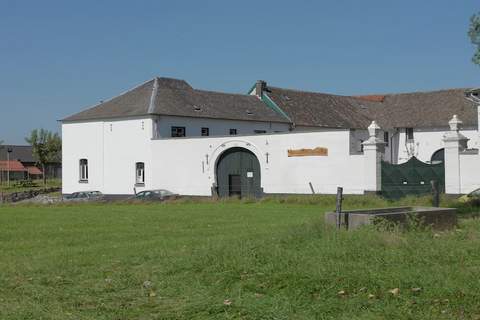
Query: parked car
(472, 197)
(155, 195)
(84, 196)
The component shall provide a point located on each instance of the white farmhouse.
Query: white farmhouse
(164, 134)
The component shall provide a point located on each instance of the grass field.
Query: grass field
(229, 260)
(13, 187)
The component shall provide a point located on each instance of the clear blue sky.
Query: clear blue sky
(59, 57)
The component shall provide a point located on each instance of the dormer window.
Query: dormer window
(250, 113)
(197, 108)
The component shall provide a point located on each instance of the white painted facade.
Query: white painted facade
(187, 165)
(462, 163)
(427, 141)
(111, 147)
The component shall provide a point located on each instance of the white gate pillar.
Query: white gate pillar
(373, 150)
(455, 142)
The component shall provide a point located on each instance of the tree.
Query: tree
(474, 34)
(47, 147)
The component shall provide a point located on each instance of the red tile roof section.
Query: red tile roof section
(13, 166)
(34, 170)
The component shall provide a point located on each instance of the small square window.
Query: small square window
(178, 132)
(233, 132)
(205, 132)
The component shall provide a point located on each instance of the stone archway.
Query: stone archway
(238, 173)
(438, 156)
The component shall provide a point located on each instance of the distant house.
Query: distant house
(22, 165)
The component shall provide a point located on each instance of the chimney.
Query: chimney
(260, 88)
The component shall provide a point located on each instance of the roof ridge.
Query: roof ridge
(153, 97)
(369, 94)
(305, 91)
(413, 92)
(224, 93)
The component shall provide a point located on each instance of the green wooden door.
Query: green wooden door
(411, 178)
(238, 174)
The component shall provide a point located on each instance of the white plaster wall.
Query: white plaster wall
(187, 165)
(112, 148)
(218, 127)
(126, 144)
(427, 141)
(82, 141)
(469, 172)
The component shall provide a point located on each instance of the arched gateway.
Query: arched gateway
(238, 174)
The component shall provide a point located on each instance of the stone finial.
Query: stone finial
(373, 129)
(455, 123)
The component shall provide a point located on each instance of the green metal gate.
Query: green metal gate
(238, 174)
(411, 178)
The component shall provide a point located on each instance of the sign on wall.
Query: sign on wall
(319, 151)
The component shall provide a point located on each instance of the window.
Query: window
(360, 145)
(409, 133)
(385, 138)
(205, 132)
(140, 173)
(233, 132)
(178, 132)
(260, 131)
(83, 170)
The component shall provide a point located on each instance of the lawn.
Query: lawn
(15, 187)
(272, 259)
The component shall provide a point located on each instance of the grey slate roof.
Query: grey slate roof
(177, 98)
(20, 153)
(423, 109)
(418, 109)
(319, 109)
